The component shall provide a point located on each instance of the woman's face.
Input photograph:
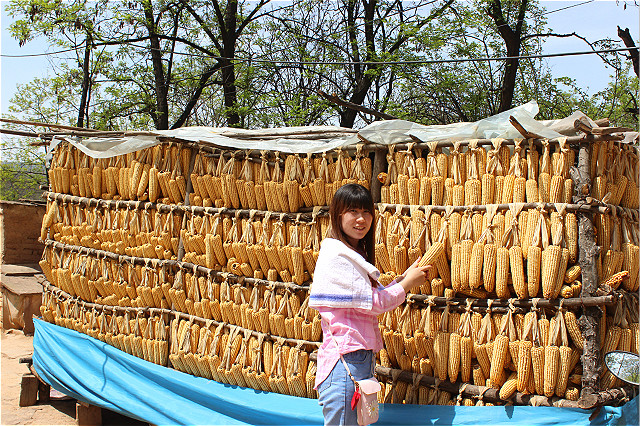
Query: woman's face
(356, 223)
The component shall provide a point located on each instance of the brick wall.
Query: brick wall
(19, 231)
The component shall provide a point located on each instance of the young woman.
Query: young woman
(349, 298)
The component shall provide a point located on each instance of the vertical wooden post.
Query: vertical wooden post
(378, 167)
(189, 188)
(88, 415)
(588, 255)
(28, 390)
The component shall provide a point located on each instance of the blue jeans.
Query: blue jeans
(336, 391)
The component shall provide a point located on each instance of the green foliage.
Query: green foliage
(22, 169)
(125, 92)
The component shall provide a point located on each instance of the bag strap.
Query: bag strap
(349, 372)
(346, 367)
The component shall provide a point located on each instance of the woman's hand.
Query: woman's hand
(414, 276)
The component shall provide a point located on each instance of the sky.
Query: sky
(592, 19)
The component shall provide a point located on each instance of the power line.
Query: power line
(336, 63)
(568, 7)
(410, 62)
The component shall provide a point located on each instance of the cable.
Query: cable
(414, 62)
(349, 62)
(568, 7)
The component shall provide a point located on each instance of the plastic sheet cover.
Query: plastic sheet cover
(326, 138)
(99, 374)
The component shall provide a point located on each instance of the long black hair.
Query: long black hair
(347, 197)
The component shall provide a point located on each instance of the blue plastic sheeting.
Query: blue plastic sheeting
(99, 374)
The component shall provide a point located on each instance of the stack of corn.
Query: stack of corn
(238, 357)
(142, 337)
(153, 174)
(269, 248)
(122, 231)
(619, 331)
(269, 185)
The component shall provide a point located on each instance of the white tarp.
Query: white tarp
(325, 138)
(496, 126)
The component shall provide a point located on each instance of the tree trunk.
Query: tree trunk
(186, 112)
(513, 40)
(85, 82)
(348, 115)
(625, 35)
(161, 116)
(363, 83)
(229, 38)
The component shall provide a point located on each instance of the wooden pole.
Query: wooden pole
(59, 293)
(186, 266)
(379, 166)
(588, 255)
(574, 302)
(187, 199)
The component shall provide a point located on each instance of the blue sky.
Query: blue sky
(594, 20)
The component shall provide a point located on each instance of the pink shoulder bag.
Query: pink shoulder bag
(365, 398)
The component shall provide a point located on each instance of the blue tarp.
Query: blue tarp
(99, 374)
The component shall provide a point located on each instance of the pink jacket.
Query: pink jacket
(348, 329)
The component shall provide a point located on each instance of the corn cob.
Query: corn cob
(544, 187)
(489, 267)
(517, 272)
(533, 270)
(550, 265)
(466, 248)
(631, 256)
(478, 376)
(475, 265)
(466, 349)
(564, 259)
(551, 368)
(441, 347)
(437, 190)
(488, 188)
(454, 356)
(472, 192)
(435, 251)
(612, 339)
(507, 188)
(449, 184)
(498, 360)
(457, 195)
(502, 273)
(538, 368)
(563, 375)
(556, 189)
(509, 387)
(524, 365)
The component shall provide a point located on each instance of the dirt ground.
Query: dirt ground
(15, 345)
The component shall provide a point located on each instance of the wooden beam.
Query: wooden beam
(50, 125)
(583, 125)
(524, 132)
(609, 130)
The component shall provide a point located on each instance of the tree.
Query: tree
(338, 48)
(141, 46)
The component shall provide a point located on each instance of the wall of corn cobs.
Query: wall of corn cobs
(200, 259)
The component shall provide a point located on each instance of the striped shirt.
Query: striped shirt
(347, 329)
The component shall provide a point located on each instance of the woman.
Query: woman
(349, 298)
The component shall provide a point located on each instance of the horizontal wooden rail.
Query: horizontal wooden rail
(172, 314)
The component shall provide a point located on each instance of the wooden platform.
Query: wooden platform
(21, 296)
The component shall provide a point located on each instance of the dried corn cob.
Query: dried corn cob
(551, 369)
